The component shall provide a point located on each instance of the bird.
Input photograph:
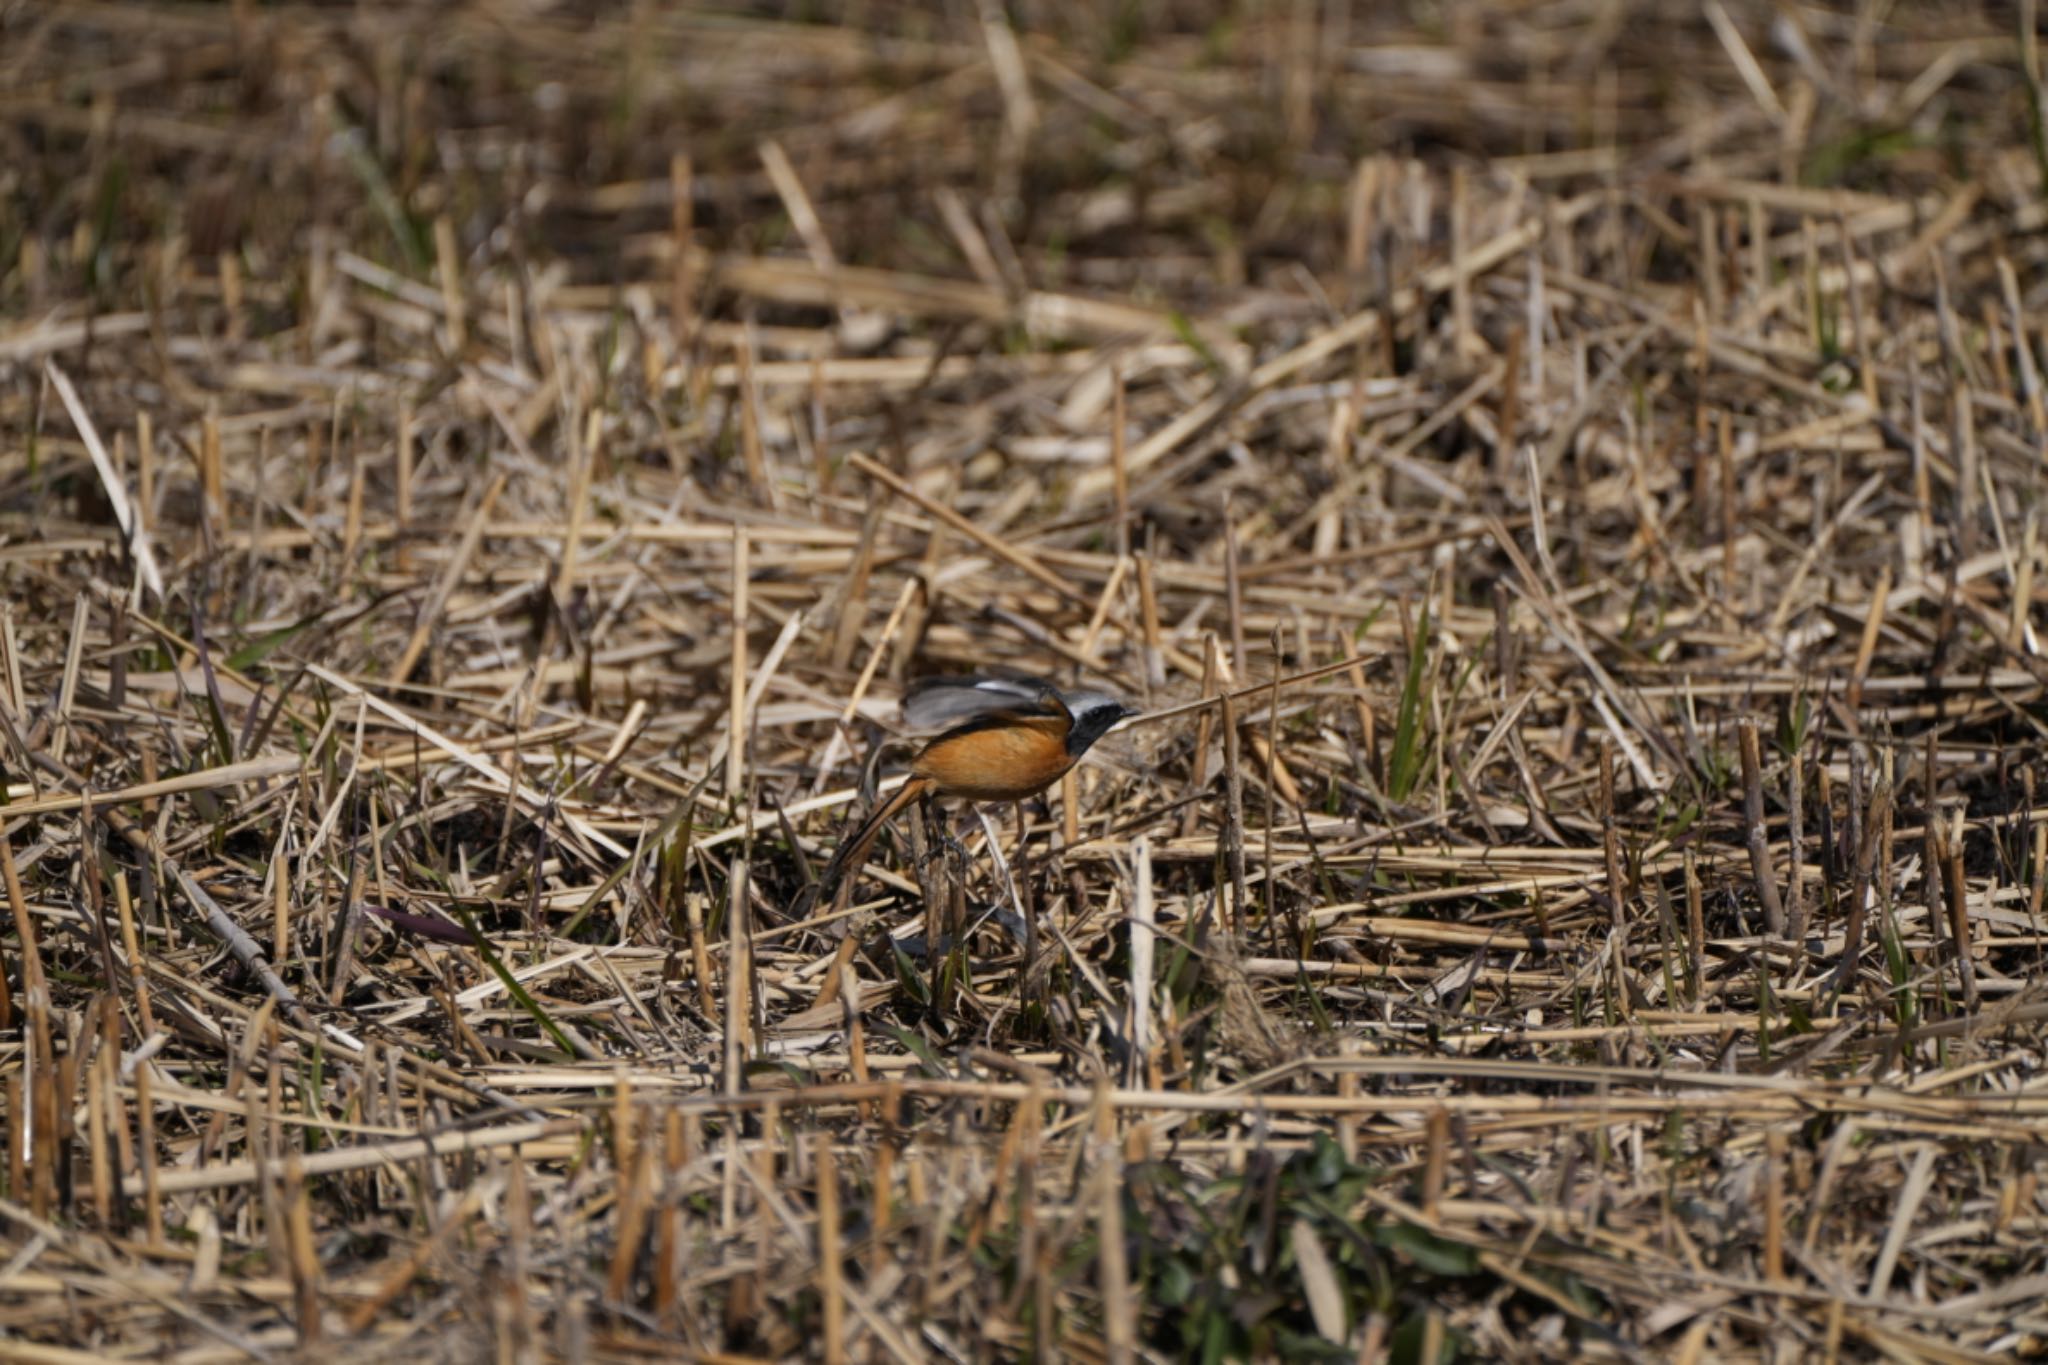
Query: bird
(1001, 739)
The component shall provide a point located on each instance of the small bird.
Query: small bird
(1003, 739)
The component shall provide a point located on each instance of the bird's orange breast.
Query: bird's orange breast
(999, 763)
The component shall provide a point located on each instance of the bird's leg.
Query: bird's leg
(958, 846)
(923, 834)
(940, 841)
(926, 848)
(944, 883)
(920, 846)
(1027, 968)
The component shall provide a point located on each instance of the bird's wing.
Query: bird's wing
(934, 704)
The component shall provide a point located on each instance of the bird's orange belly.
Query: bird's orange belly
(998, 764)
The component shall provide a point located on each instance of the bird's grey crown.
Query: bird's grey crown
(1086, 703)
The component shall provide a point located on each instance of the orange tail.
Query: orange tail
(852, 854)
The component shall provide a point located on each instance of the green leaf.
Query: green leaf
(921, 1049)
(1437, 1255)
(909, 977)
(511, 982)
(257, 650)
(355, 149)
(1326, 1162)
(1406, 764)
(776, 1066)
(1175, 1284)
(1404, 1347)
(1185, 330)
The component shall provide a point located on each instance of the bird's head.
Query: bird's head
(1095, 713)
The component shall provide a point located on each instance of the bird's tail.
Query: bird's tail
(852, 854)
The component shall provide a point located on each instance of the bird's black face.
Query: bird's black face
(1094, 714)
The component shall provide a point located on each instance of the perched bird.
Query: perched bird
(1002, 739)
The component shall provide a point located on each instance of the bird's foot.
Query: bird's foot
(942, 847)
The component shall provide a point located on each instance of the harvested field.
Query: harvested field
(1563, 482)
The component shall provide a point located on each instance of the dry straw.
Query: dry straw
(1564, 488)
